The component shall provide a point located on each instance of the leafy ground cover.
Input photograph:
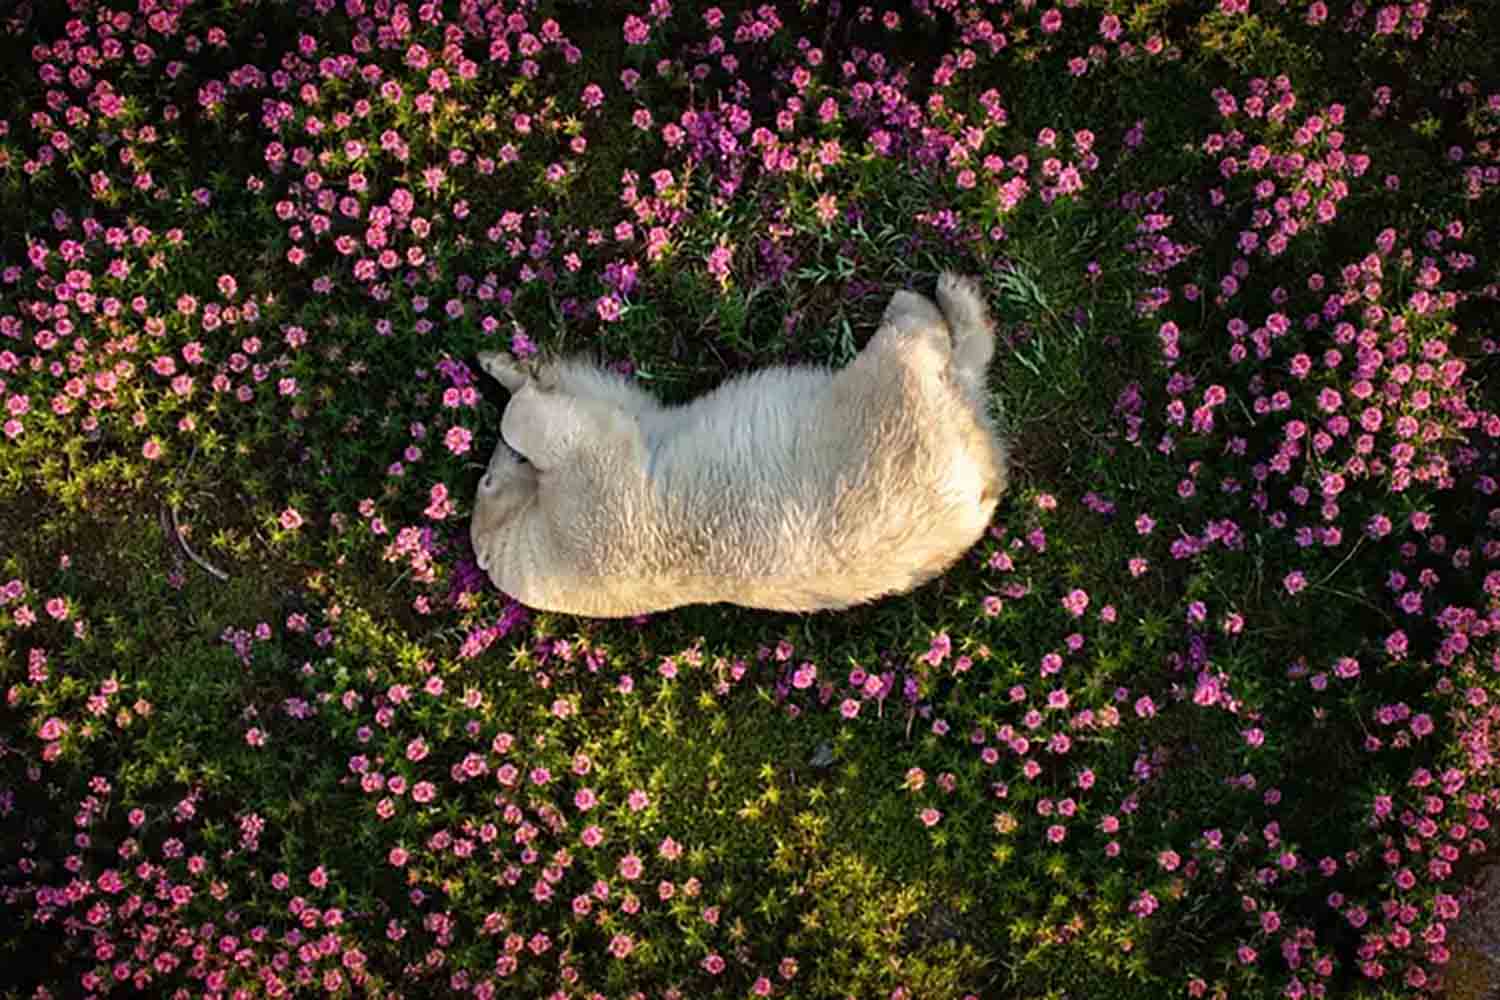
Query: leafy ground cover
(1210, 713)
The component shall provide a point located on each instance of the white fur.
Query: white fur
(790, 488)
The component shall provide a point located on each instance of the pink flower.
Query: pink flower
(1076, 603)
(719, 259)
(290, 519)
(637, 31)
(608, 308)
(458, 439)
(631, 867)
(931, 817)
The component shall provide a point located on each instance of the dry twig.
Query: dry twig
(173, 529)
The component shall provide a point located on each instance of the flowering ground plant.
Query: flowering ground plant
(1209, 712)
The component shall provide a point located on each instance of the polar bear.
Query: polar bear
(788, 488)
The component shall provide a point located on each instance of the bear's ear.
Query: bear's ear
(503, 369)
(547, 377)
(547, 427)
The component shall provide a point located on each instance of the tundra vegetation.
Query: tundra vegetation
(1210, 711)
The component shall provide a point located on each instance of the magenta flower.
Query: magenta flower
(637, 31)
